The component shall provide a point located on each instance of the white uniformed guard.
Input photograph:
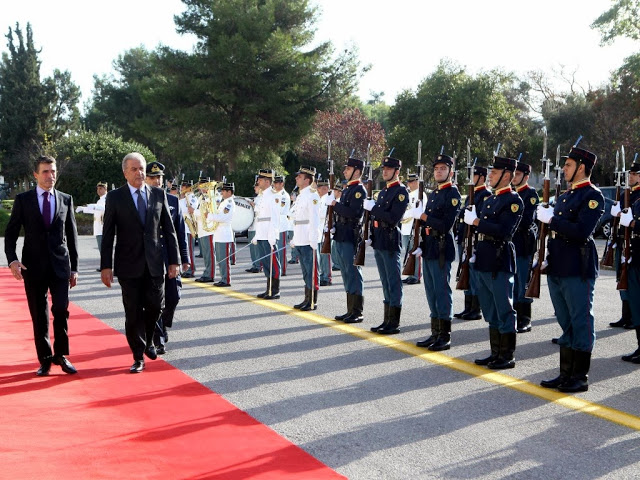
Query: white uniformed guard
(223, 236)
(285, 206)
(267, 230)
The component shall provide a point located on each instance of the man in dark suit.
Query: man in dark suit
(138, 216)
(172, 286)
(49, 261)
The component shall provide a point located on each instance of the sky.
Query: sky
(402, 40)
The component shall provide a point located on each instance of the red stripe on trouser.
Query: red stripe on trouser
(419, 262)
(275, 271)
(284, 253)
(316, 283)
(233, 252)
(228, 279)
(329, 266)
(192, 260)
(213, 257)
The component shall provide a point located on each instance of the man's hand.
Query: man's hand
(73, 279)
(470, 215)
(185, 267)
(106, 275)
(16, 269)
(544, 213)
(333, 203)
(615, 209)
(174, 271)
(368, 204)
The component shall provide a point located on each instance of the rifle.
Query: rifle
(624, 262)
(607, 256)
(410, 263)
(463, 267)
(360, 254)
(533, 288)
(326, 240)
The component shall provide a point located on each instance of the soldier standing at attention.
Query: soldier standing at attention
(205, 234)
(348, 225)
(251, 232)
(267, 230)
(223, 235)
(480, 193)
(306, 236)
(188, 209)
(325, 258)
(386, 213)
(407, 224)
(438, 251)
(573, 267)
(285, 206)
(495, 263)
(524, 241)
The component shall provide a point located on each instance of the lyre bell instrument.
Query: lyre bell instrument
(189, 218)
(208, 205)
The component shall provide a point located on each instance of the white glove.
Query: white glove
(79, 209)
(417, 211)
(368, 204)
(417, 252)
(314, 246)
(544, 213)
(626, 217)
(254, 241)
(368, 242)
(615, 209)
(272, 240)
(333, 230)
(470, 215)
(326, 229)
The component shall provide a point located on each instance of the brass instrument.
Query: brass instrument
(189, 218)
(208, 205)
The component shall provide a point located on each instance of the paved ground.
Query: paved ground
(380, 408)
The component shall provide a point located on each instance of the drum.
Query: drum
(242, 215)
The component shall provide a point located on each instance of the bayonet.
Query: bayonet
(497, 150)
(577, 141)
(617, 171)
(624, 168)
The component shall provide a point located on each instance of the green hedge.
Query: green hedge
(84, 221)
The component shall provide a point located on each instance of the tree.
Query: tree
(621, 20)
(64, 96)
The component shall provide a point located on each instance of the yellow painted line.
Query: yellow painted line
(568, 401)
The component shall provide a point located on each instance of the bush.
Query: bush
(4, 219)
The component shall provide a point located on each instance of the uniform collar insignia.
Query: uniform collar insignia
(480, 188)
(393, 184)
(581, 184)
(522, 187)
(354, 182)
(444, 185)
(503, 190)
(635, 187)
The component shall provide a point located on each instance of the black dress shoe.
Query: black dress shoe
(151, 353)
(187, 275)
(204, 280)
(291, 262)
(160, 350)
(222, 284)
(98, 270)
(137, 367)
(65, 364)
(325, 283)
(412, 281)
(43, 371)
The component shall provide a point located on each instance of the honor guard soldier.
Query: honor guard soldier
(325, 258)
(306, 236)
(97, 209)
(386, 213)
(413, 180)
(573, 267)
(205, 233)
(438, 251)
(524, 241)
(223, 235)
(285, 206)
(251, 232)
(267, 231)
(348, 213)
(634, 182)
(495, 261)
(480, 193)
(337, 193)
(172, 286)
(188, 204)
(633, 269)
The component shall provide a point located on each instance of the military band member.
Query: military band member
(285, 206)
(251, 232)
(188, 205)
(348, 213)
(294, 252)
(306, 236)
(223, 235)
(573, 267)
(325, 258)
(205, 235)
(524, 240)
(267, 230)
(495, 262)
(480, 193)
(413, 182)
(386, 213)
(438, 251)
(633, 268)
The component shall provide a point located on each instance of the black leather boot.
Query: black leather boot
(579, 380)
(307, 299)
(566, 365)
(523, 320)
(506, 357)
(394, 322)
(467, 307)
(435, 331)
(625, 320)
(357, 307)
(312, 305)
(443, 342)
(385, 321)
(494, 343)
(474, 313)
(635, 355)
(349, 308)
(275, 290)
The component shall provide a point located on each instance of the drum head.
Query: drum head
(242, 215)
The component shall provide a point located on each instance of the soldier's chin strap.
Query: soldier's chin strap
(578, 163)
(500, 179)
(475, 184)
(521, 181)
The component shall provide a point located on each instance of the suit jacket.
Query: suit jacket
(57, 246)
(137, 245)
(178, 224)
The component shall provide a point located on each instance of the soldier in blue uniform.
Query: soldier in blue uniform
(495, 262)
(633, 269)
(480, 193)
(573, 267)
(438, 251)
(386, 238)
(525, 242)
(348, 230)
(172, 286)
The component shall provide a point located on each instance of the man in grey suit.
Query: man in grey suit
(49, 261)
(138, 218)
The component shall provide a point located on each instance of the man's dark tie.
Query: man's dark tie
(46, 210)
(142, 208)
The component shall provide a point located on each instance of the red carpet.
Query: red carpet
(107, 423)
